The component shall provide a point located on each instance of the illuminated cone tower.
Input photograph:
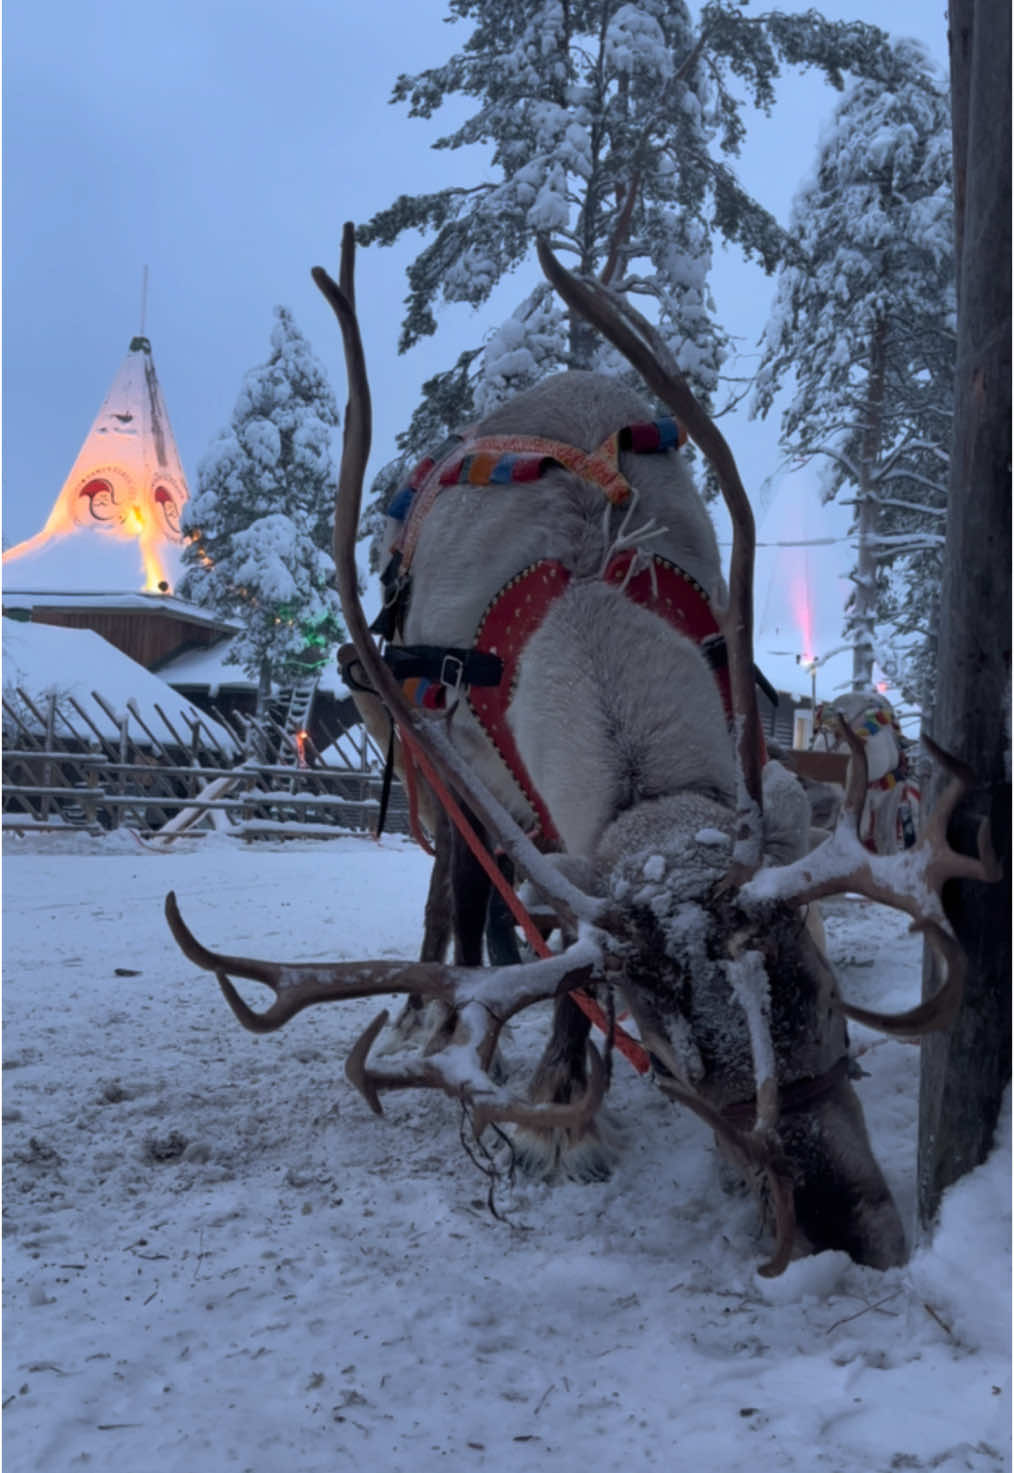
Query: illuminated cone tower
(127, 481)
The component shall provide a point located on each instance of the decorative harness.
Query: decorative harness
(869, 723)
(499, 460)
(487, 672)
(517, 611)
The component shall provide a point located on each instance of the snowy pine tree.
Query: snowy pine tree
(609, 125)
(864, 328)
(259, 527)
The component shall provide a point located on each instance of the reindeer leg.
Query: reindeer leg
(470, 889)
(842, 1200)
(458, 904)
(416, 1021)
(501, 938)
(586, 1154)
(438, 916)
(471, 893)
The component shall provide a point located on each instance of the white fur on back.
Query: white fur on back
(611, 705)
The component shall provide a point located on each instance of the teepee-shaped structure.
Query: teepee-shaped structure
(127, 481)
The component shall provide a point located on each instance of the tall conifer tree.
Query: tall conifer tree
(260, 523)
(610, 125)
(864, 329)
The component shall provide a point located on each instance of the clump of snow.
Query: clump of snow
(712, 836)
(635, 43)
(815, 1278)
(523, 350)
(956, 1271)
(550, 209)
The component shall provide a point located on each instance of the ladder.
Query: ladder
(295, 703)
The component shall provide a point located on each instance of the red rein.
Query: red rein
(631, 1050)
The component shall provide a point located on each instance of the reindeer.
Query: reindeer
(891, 811)
(680, 880)
(890, 817)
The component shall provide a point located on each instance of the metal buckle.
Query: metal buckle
(452, 672)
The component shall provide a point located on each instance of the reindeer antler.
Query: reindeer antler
(910, 881)
(483, 1000)
(426, 743)
(643, 348)
(641, 345)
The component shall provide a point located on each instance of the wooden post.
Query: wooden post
(47, 769)
(103, 745)
(157, 746)
(116, 810)
(262, 713)
(180, 743)
(89, 802)
(25, 736)
(964, 1073)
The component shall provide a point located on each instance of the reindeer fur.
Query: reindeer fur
(476, 538)
(618, 718)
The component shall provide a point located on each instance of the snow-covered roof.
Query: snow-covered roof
(41, 659)
(15, 599)
(332, 682)
(209, 668)
(84, 561)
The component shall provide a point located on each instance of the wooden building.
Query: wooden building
(151, 628)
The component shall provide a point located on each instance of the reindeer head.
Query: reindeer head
(690, 904)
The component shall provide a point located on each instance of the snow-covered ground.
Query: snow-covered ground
(217, 1258)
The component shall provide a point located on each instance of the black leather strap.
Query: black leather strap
(452, 667)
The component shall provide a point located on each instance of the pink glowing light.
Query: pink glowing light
(799, 599)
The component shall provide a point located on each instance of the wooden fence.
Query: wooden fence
(62, 769)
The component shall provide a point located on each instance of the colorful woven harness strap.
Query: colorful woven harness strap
(865, 725)
(498, 460)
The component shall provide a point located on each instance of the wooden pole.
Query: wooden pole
(964, 1073)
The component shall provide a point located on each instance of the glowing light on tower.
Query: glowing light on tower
(127, 481)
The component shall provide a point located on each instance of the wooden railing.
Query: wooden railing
(60, 773)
